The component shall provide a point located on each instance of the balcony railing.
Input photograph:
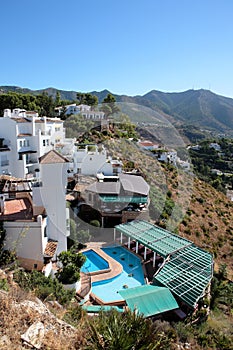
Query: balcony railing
(31, 161)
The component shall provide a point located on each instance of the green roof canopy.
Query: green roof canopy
(187, 274)
(149, 300)
(157, 239)
(187, 269)
(124, 199)
(98, 308)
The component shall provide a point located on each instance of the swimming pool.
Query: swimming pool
(94, 262)
(131, 276)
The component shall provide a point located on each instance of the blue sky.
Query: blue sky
(129, 47)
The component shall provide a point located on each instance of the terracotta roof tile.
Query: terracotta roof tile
(50, 248)
(21, 120)
(52, 157)
(17, 209)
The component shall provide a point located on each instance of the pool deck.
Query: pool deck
(115, 268)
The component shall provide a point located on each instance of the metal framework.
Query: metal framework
(187, 270)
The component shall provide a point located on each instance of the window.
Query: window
(35, 266)
(44, 143)
(47, 142)
(20, 143)
(57, 129)
(26, 143)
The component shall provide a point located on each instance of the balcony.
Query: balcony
(4, 162)
(4, 148)
(31, 161)
(37, 184)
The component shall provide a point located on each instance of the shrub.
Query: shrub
(69, 274)
(71, 262)
(4, 284)
(43, 287)
(95, 223)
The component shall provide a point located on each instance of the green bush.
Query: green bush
(69, 274)
(71, 262)
(95, 223)
(4, 285)
(43, 287)
(113, 330)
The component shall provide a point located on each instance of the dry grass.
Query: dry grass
(19, 310)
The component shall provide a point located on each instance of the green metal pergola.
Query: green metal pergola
(153, 237)
(187, 269)
(187, 274)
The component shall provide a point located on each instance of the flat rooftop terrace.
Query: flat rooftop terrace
(18, 209)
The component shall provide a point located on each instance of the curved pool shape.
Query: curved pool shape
(131, 276)
(94, 262)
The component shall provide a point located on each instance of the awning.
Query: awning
(124, 199)
(149, 300)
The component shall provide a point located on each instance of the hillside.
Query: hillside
(201, 108)
(184, 204)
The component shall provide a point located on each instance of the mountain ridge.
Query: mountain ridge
(201, 108)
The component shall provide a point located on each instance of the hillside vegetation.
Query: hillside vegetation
(201, 108)
(183, 203)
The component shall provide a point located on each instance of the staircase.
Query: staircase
(85, 286)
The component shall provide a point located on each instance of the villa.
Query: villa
(34, 213)
(24, 138)
(86, 111)
(119, 199)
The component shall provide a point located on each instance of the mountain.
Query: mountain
(196, 107)
(201, 108)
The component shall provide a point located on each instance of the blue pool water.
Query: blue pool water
(131, 276)
(94, 262)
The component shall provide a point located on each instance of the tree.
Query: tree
(71, 264)
(58, 99)
(77, 125)
(46, 104)
(87, 99)
(109, 106)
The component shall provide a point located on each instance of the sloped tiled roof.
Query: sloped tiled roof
(52, 157)
(50, 248)
(21, 120)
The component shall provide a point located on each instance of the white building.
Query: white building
(184, 164)
(51, 194)
(168, 157)
(24, 137)
(148, 145)
(36, 219)
(215, 146)
(93, 160)
(85, 110)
